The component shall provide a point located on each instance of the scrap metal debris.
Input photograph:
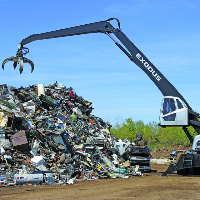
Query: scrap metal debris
(48, 135)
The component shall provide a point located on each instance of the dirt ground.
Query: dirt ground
(150, 186)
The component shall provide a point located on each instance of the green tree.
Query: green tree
(155, 135)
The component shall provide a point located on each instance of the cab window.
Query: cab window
(168, 106)
(180, 105)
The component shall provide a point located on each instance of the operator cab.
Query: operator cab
(174, 112)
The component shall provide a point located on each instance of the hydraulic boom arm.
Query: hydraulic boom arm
(134, 54)
(131, 50)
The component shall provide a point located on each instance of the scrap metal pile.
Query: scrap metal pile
(49, 135)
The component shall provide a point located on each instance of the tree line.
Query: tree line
(154, 134)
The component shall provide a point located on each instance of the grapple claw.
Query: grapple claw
(6, 60)
(15, 65)
(19, 59)
(26, 60)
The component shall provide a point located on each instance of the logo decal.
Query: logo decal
(146, 64)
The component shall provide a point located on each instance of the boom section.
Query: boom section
(97, 27)
(135, 55)
(166, 88)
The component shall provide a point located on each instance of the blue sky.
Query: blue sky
(166, 31)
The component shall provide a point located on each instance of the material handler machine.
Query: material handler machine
(175, 111)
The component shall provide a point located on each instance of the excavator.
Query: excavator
(175, 111)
